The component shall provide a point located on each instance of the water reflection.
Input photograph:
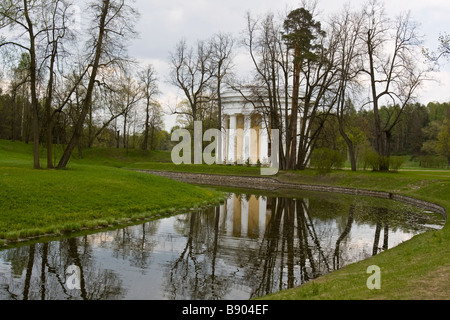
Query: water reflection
(248, 246)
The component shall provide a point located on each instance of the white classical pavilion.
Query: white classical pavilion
(245, 134)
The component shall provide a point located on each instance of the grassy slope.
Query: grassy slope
(91, 193)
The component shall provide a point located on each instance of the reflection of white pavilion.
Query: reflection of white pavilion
(245, 217)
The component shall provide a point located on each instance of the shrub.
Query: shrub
(395, 162)
(371, 159)
(325, 159)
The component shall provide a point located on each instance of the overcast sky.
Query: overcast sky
(163, 23)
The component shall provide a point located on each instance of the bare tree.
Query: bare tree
(116, 97)
(21, 17)
(148, 80)
(346, 28)
(130, 95)
(106, 48)
(269, 91)
(301, 113)
(222, 49)
(442, 51)
(318, 97)
(56, 31)
(156, 123)
(391, 55)
(191, 71)
(38, 29)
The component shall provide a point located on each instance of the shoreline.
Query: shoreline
(271, 183)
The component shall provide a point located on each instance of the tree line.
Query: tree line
(68, 83)
(346, 84)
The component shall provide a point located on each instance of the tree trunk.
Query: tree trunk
(33, 79)
(380, 146)
(87, 101)
(291, 138)
(152, 138)
(147, 119)
(125, 144)
(48, 104)
(350, 146)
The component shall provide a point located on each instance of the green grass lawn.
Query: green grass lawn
(87, 195)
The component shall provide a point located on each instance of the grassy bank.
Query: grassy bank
(89, 194)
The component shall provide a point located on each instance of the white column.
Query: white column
(264, 144)
(226, 140)
(247, 127)
(232, 139)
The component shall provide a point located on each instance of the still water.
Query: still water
(248, 246)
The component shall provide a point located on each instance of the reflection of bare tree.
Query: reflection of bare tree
(135, 244)
(43, 265)
(29, 270)
(290, 249)
(269, 251)
(344, 234)
(290, 252)
(193, 275)
(75, 257)
(381, 217)
(318, 261)
(182, 266)
(214, 287)
(47, 280)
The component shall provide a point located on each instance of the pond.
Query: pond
(248, 246)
